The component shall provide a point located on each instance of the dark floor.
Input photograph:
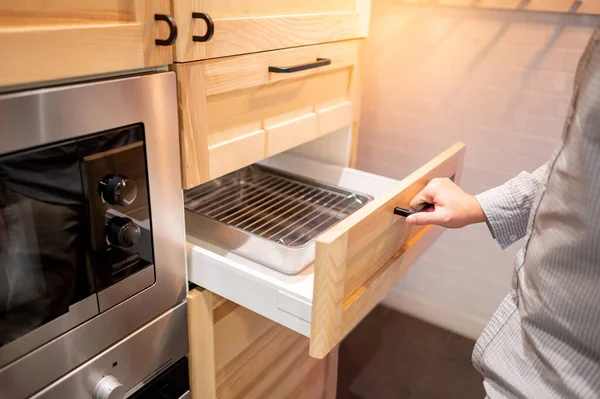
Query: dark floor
(391, 355)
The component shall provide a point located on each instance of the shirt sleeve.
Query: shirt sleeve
(507, 207)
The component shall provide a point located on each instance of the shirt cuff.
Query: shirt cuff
(503, 215)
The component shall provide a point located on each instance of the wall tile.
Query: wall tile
(498, 80)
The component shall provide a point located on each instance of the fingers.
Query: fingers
(425, 218)
(424, 196)
(436, 193)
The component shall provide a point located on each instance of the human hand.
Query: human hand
(452, 207)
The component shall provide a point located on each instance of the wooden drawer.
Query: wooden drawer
(212, 29)
(42, 40)
(357, 261)
(236, 353)
(234, 111)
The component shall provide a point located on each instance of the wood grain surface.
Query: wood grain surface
(70, 38)
(264, 25)
(235, 353)
(360, 258)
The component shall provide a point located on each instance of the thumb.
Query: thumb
(424, 218)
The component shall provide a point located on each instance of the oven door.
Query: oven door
(68, 246)
(47, 284)
(84, 258)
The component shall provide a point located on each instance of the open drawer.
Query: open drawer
(239, 110)
(356, 263)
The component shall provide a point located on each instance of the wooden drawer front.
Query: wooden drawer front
(234, 112)
(242, 27)
(236, 353)
(359, 259)
(43, 40)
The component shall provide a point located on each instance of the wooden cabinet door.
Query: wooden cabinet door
(236, 353)
(47, 40)
(217, 28)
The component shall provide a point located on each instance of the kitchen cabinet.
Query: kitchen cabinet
(357, 261)
(70, 39)
(239, 110)
(214, 28)
(237, 353)
(43, 40)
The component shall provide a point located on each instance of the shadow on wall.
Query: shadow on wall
(500, 81)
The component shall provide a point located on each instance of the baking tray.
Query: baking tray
(267, 215)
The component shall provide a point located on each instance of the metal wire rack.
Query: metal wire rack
(283, 208)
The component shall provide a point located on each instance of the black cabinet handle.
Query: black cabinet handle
(172, 30)
(210, 27)
(297, 68)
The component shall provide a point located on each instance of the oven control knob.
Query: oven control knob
(122, 232)
(118, 190)
(109, 388)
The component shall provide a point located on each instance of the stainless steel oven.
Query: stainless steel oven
(91, 222)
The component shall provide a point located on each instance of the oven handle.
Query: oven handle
(303, 67)
(172, 30)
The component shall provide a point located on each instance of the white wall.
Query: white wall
(498, 80)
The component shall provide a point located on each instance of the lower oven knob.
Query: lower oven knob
(109, 388)
(122, 232)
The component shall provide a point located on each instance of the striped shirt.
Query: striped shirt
(544, 340)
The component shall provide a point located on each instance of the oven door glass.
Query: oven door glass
(56, 252)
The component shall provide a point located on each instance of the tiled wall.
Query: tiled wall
(499, 81)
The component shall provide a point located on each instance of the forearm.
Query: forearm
(507, 207)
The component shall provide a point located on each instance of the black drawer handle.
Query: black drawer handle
(210, 27)
(407, 212)
(172, 30)
(297, 68)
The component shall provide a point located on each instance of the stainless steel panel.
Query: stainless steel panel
(43, 116)
(132, 361)
(114, 294)
(269, 216)
(78, 313)
(82, 79)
